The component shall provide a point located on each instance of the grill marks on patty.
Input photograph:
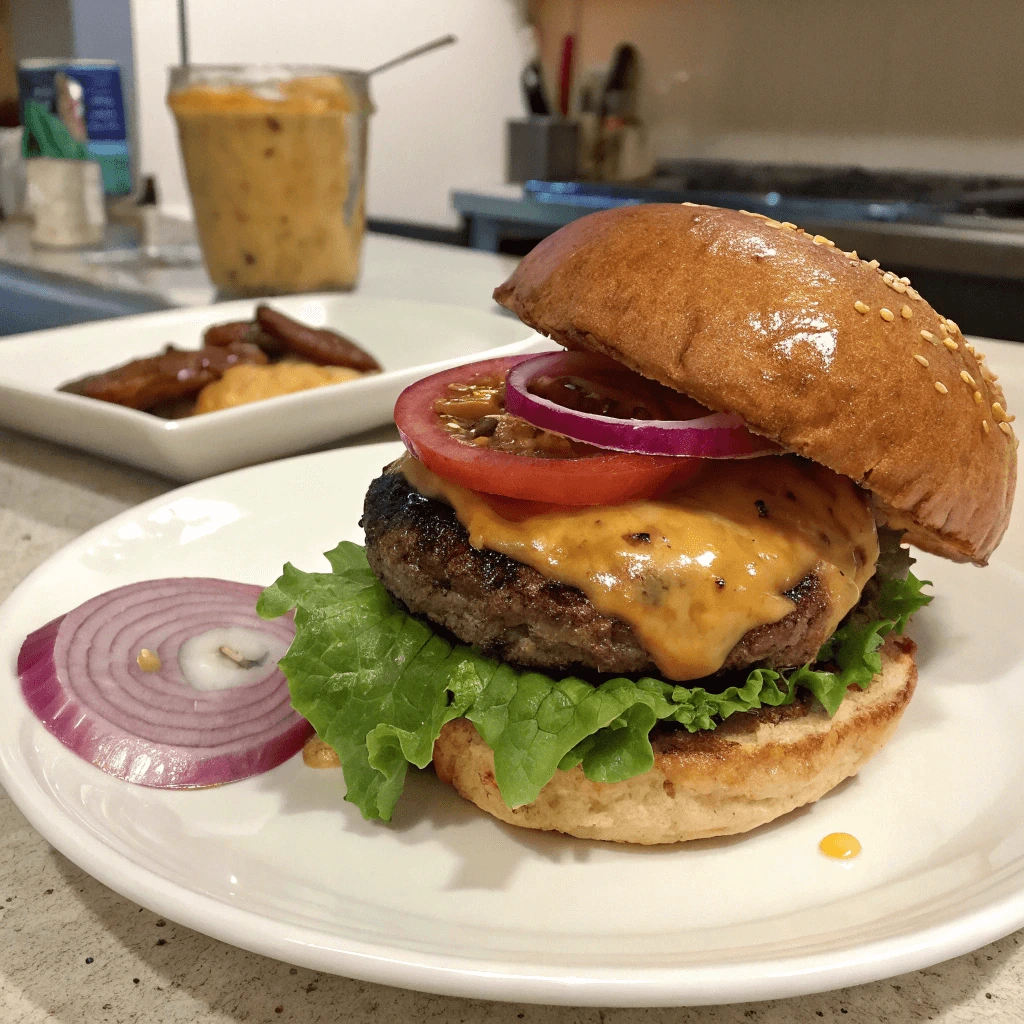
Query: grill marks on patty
(420, 551)
(791, 641)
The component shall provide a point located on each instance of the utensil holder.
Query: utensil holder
(544, 148)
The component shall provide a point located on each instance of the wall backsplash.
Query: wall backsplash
(924, 84)
(440, 121)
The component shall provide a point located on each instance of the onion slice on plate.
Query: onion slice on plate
(176, 723)
(714, 436)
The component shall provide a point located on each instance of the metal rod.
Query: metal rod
(434, 44)
(183, 55)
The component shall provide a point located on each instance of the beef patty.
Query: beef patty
(421, 552)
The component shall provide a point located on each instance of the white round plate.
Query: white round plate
(448, 900)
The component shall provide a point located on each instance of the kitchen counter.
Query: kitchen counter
(74, 952)
(986, 246)
(391, 266)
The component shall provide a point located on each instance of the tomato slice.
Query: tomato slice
(599, 479)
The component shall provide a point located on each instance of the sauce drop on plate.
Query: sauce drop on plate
(148, 661)
(839, 846)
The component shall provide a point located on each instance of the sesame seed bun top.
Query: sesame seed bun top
(815, 348)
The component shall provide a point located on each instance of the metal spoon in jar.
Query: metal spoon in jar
(434, 44)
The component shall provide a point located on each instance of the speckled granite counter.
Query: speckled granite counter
(391, 267)
(74, 952)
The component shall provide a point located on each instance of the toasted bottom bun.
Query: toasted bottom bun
(751, 769)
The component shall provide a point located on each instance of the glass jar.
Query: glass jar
(276, 164)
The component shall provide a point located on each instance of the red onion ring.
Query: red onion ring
(717, 436)
(79, 675)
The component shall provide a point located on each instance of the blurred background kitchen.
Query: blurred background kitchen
(896, 129)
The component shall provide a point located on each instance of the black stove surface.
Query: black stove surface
(858, 183)
(792, 191)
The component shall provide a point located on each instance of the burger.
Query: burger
(654, 587)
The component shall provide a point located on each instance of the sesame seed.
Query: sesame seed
(977, 398)
(913, 293)
(921, 359)
(928, 336)
(906, 312)
(998, 412)
(861, 307)
(873, 264)
(966, 378)
(943, 327)
(953, 326)
(789, 224)
(899, 287)
(950, 344)
(905, 280)
(941, 388)
(1006, 428)
(774, 223)
(852, 254)
(888, 277)
(820, 240)
(969, 347)
(985, 426)
(887, 314)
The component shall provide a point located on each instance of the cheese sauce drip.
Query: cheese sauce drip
(693, 571)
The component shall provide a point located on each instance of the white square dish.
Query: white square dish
(410, 339)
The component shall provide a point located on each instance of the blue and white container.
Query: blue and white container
(86, 95)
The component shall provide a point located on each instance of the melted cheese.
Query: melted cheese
(694, 571)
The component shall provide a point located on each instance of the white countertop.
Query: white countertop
(74, 952)
(391, 268)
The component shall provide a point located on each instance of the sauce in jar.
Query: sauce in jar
(276, 169)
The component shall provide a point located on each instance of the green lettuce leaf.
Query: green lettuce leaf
(378, 685)
(374, 682)
(899, 599)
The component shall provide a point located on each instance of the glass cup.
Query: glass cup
(276, 164)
